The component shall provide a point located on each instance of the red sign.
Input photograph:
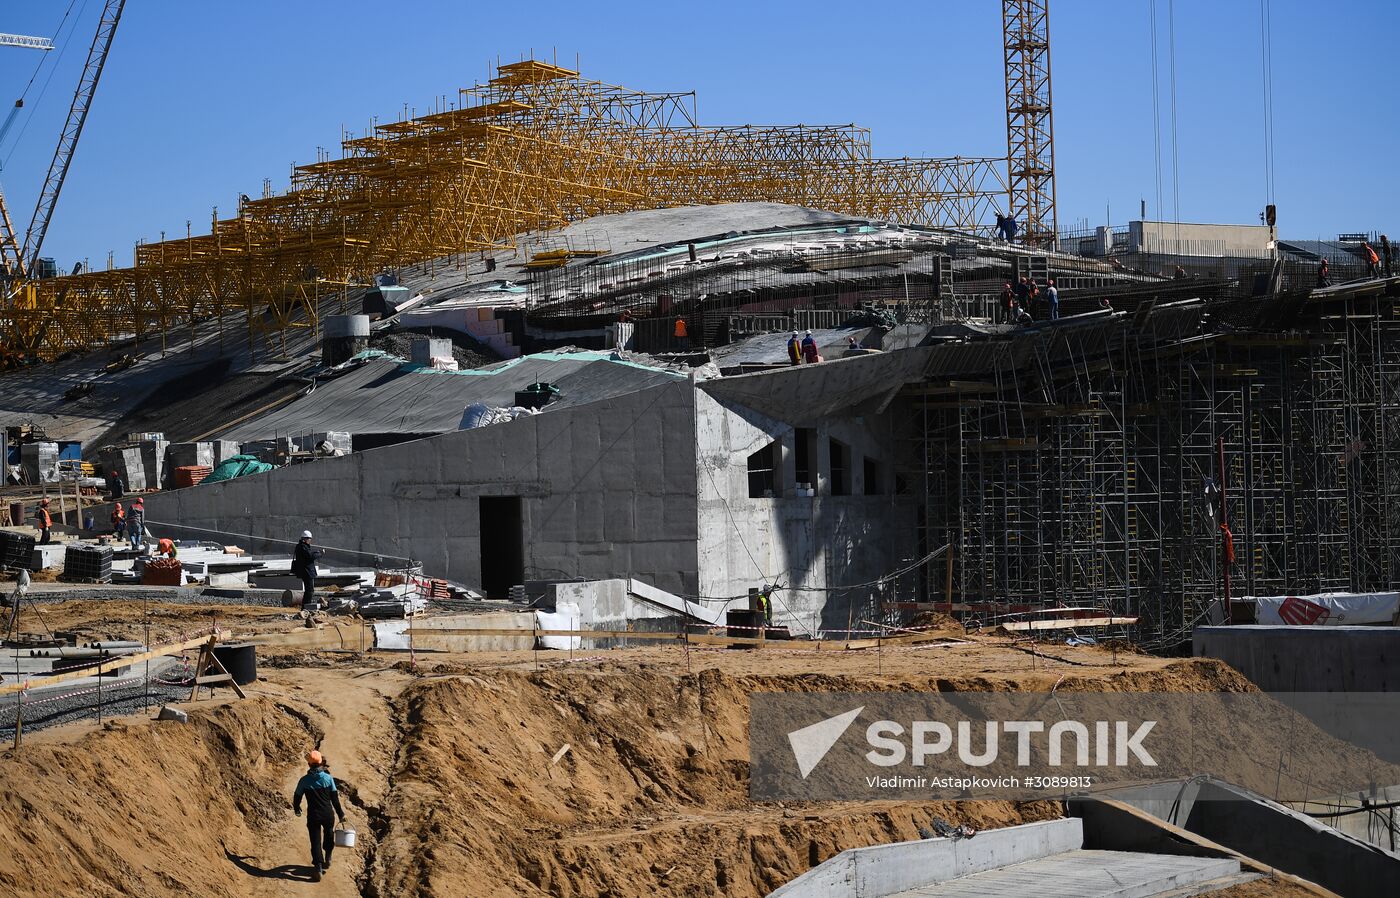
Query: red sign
(1300, 612)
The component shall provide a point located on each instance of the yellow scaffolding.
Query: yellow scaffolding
(533, 149)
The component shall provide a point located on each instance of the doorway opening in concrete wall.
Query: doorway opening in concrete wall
(502, 545)
(805, 446)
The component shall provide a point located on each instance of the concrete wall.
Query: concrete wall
(1269, 833)
(902, 866)
(1185, 239)
(820, 541)
(390, 634)
(606, 605)
(607, 489)
(1307, 659)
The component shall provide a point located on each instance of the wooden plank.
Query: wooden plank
(116, 662)
(522, 631)
(214, 678)
(1067, 623)
(909, 639)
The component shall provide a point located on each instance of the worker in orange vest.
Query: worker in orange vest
(682, 335)
(118, 521)
(45, 522)
(167, 548)
(1368, 255)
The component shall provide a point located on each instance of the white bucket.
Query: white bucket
(344, 838)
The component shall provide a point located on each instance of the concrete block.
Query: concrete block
(224, 450)
(425, 349)
(49, 556)
(181, 455)
(153, 462)
(175, 714)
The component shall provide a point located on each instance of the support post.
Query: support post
(1224, 525)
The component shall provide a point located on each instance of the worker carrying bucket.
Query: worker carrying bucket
(322, 809)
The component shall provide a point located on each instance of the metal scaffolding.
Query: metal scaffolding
(532, 149)
(1075, 465)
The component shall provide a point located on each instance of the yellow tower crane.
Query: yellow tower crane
(1030, 128)
(20, 262)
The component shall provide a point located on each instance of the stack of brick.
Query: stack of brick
(162, 572)
(191, 475)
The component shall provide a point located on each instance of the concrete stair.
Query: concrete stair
(1092, 874)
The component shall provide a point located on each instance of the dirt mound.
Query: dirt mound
(625, 779)
(145, 810)
(568, 783)
(937, 621)
(467, 352)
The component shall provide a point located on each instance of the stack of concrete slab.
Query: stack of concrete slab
(153, 462)
(126, 462)
(183, 455)
(224, 450)
(272, 452)
(39, 461)
(334, 440)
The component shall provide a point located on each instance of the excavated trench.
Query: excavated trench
(621, 782)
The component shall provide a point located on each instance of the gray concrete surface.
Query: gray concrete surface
(652, 484)
(1086, 874)
(606, 489)
(883, 870)
(1270, 833)
(1307, 659)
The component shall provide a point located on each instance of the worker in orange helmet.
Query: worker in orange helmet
(118, 521)
(167, 548)
(322, 801)
(682, 335)
(44, 521)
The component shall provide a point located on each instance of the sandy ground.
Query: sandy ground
(618, 773)
(167, 622)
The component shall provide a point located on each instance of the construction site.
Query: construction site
(498, 468)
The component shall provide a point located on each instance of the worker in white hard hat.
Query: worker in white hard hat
(304, 567)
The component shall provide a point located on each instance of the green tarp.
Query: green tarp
(238, 466)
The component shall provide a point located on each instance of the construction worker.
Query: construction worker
(322, 810)
(1368, 255)
(794, 348)
(304, 567)
(810, 355)
(1324, 274)
(44, 521)
(118, 521)
(1385, 256)
(682, 335)
(1023, 297)
(1052, 293)
(136, 525)
(1008, 302)
(167, 548)
(765, 605)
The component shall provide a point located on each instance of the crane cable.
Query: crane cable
(1156, 108)
(62, 48)
(1176, 168)
(1266, 60)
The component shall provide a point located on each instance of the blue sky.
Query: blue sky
(202, 101)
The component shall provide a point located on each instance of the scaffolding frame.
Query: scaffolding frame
(531, 150)
(1075, 466)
